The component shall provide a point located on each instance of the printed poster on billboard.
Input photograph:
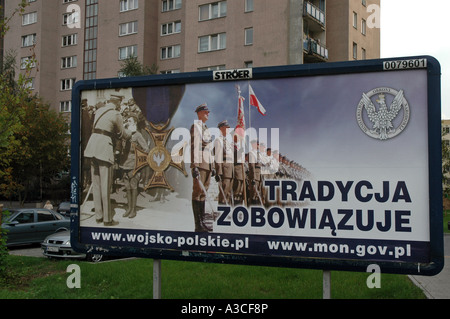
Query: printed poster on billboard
(327, 169)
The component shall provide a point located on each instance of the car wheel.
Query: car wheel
(95, 258)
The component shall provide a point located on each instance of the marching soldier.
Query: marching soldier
(224, 163)
(239, 173)
(202, 168)
(265, 162)
(254, 174)
(107, 130)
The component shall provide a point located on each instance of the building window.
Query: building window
(128, 28)
(29, 18)
(27, 63)
(212, 68)
(170, 52)
(171, 28)
(68, 40)
(212, 42)
(65, 106)
(28, 40)
(213, 11)
(127, 52)
(71, 18)
(249, 36)
(169, 5)
(355, 51)
(363, 27)
(67, 84)
(127, 5)
(248, 5)
(170, 71)
(69, 62)
(363, 54)
(90, 40)
(355, 20)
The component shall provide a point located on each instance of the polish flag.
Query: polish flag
(255, 102)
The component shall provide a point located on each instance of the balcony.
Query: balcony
(314, 52)
(314, 14)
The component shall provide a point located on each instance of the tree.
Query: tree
(133, 67)
(36, 152)
(445, 166)
(33, 139)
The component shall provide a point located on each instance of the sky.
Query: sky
(417, 27)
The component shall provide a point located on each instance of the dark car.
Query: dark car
(32, 225)
(64, 208)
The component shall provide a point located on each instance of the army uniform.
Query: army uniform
(128, 161)
(202, 169)
(224, 165)
(239, 175)
(107, 129)
(254, 174)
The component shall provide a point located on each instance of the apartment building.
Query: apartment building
(89, 39)
(352, 32)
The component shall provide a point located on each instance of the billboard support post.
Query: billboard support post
(326, 284)
(157, 279)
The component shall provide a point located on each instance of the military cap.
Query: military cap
(202, 107)
(223, 123)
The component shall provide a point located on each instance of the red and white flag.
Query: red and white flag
(255, 102)
(240, 127)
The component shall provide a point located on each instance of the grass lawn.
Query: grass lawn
(446, 220)
(40, 278)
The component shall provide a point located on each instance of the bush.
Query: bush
(3, 249)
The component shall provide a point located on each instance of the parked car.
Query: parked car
(58, 246)
(64, 208)
(32, 225)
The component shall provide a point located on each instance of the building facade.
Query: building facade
(73, 40)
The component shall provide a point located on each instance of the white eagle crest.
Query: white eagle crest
(159, 158)
(382, 119)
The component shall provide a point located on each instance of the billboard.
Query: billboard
(329, 166)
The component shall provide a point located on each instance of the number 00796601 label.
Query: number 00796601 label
(405, 64)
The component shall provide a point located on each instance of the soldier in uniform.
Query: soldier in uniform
(239, 173)
(202, 167)
(224, 163)
(107, 129)
(131, 179)
(254, 174)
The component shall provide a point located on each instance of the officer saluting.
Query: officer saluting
(202, 168)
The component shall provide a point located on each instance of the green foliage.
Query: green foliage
(33, 139)
(445, 167)
(133, 67)
(3, 249)
(132, 279)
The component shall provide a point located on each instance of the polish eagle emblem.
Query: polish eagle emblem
(382, 119)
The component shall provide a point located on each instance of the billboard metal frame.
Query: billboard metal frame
(381, 65)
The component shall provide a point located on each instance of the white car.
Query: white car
(58, 246)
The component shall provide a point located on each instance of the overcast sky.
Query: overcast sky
(417, 27)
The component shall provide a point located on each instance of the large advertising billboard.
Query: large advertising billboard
(331, 166)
